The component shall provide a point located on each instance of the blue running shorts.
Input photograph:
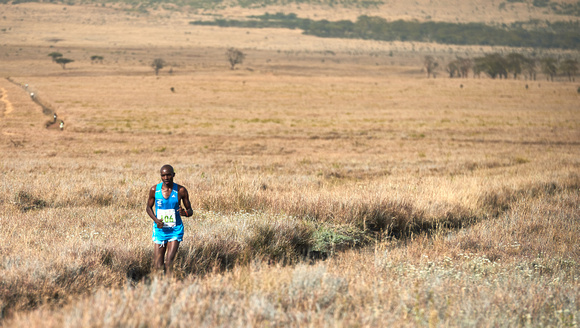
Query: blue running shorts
(164, 235)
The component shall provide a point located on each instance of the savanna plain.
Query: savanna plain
(333, 183)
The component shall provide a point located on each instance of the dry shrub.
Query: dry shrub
(494, 202)
(223, 241)
(533, 227)
(26, 201)
(30, 285)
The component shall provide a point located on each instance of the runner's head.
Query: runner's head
(167, 174)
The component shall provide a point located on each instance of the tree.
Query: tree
(570, 68)
(493, 65)
(497, 66)
(235, 56)
(478, 66)
(63, 61)
(55, 55)
(452, 69)
(549, 67)
(464, 65)
(530, 68)
(430, 65)
(157, 64)
(96, 59)
(459, 67)
(515, 62)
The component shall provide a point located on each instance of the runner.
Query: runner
(167, 198)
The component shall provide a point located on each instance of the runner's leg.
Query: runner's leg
(172, 247)
(159, 256)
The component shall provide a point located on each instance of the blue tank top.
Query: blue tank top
(167, 209)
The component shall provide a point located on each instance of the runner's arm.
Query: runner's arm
(150, 204)
(184, 198)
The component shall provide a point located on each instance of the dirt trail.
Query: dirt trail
(46, 110)
(8, 108)
(7, 103)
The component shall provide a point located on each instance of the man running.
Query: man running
(167, 198)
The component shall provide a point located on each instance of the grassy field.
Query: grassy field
(333, 183)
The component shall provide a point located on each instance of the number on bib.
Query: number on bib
(167, 216)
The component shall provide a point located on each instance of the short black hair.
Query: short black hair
(168, 167)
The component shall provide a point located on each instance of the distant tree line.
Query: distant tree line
(498, 66)
(564, 8)
(564, 35)
(559, 8)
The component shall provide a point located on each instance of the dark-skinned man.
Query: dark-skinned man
(167, 198)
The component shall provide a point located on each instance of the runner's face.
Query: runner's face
(167, 176)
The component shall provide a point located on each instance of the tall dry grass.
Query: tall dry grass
(501, 272)
(432, 204)
(65, 240)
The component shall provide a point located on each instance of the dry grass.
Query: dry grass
(461, 203)
(497, 273)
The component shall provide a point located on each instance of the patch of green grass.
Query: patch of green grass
(268, 120)
(327, 238)
(521, 160)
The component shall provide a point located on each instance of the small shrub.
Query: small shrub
(26, 201)
(235, 56)
(521, 160)
(158, 64)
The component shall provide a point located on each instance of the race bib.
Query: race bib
(167, 216)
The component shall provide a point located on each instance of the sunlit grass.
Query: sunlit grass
(322, 196)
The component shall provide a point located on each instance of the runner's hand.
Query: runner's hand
(182, 211)
(159, 224)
